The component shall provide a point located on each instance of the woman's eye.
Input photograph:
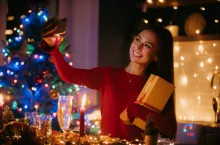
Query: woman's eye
(146, 45)
(137, 39)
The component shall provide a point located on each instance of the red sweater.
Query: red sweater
(116, 93)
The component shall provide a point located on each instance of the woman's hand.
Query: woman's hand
(50, 43)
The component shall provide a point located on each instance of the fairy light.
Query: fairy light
(197, 31)
(29, 11)
(145, 21)
(160, 20)
(195, 75)
(214, 44)
(201, 48)
(175, 7)
(215, 87)
(71, 63)
(202, 8)
(182, 58)
(184, 80)
(201, 64)
(209, 60)
(161, 1)
(197, 53)
(21, 26)
(216, 67)
(208, 78)
(216, 21)
(150, 1)
(176, 64)
(177, 48)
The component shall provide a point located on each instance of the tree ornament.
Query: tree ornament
(8, 115)
(53, 94)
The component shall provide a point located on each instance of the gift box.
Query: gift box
(155, 93)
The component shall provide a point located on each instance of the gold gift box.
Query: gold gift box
(155, 93)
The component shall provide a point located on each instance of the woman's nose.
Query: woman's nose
(140, 46)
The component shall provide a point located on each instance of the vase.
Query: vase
(151, 139)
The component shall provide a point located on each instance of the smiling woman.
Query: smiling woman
(150, 52)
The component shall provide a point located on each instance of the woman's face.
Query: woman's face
(144, 48)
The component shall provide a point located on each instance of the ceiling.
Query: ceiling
(168, 3)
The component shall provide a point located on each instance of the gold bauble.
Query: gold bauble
(195, 24)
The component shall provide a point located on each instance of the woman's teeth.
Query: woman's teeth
(136, 54)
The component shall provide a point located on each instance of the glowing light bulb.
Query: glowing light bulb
(150, 1)
(145, 21)
(202, 8)
(176, 64)
(216, 67)
(184, 80)
(208, 78)
(214, 44)
(201, 48)
(216, 21)
(202, 64)
(175, 7)
(195, 75)
(176, 48)
(182, 58)
(199, 98)
(209, 60)
(160, 20)
(161, 1)
(197, 31)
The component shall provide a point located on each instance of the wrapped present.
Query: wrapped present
(155, 93)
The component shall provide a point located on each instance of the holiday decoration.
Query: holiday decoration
(8, 115)
(195, 24)
(29, 76)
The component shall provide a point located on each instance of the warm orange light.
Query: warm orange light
(84, 100)
(1, 100)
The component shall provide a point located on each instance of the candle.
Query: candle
(1, 111)
(174, 30)
(82, 113)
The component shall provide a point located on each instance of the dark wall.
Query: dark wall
(117, 19)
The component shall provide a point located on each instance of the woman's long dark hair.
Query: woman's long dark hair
(164, 66)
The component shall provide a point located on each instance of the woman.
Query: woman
(150, 52)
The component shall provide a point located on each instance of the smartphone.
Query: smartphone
(54, 27)
(61, 27)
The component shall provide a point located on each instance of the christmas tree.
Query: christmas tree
(28, 78)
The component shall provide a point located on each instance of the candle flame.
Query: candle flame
(84, 100)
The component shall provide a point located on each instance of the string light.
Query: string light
(216, 21)
(159, 20)
(150, 1)
(175, 7)
(145, 21)
(202, 8)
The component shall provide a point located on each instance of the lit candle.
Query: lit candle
(1, 111)
(82, 112)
